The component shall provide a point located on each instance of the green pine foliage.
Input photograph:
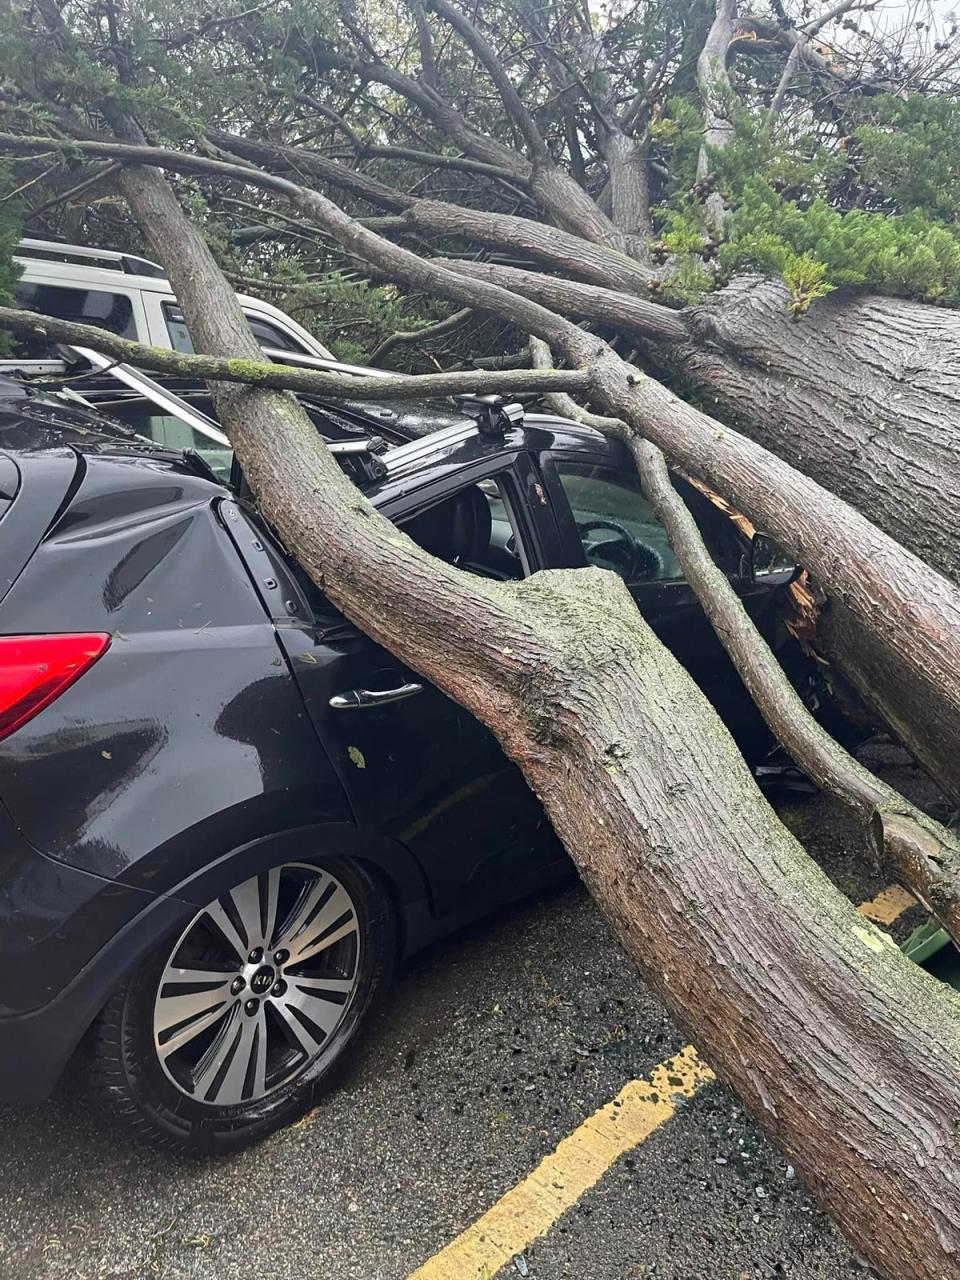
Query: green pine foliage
(10, 232)
(790, 203)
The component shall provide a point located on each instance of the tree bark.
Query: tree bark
(863, 394)
(905, 606)
(810, 1013)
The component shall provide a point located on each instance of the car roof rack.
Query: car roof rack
(83, 255)
(493, 414)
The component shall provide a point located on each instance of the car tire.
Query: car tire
(209, 1067)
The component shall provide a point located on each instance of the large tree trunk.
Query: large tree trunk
(862, 394)
(813, 1016)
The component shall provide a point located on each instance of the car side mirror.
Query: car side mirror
(770, 565)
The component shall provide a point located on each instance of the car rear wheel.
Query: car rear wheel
(231, 1028)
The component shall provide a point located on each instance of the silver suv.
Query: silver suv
(132, 297)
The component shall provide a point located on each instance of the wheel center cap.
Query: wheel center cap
(263, 980)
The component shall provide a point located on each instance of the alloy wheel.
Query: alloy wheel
(257, 985)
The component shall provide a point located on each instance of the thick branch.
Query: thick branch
(911, 608)
(262, 373)
(920, 853)
(621, 311)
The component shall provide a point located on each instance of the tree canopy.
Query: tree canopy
(836, 155)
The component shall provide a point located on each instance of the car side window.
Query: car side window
(616, 524)
(267, 334)
(474, 529)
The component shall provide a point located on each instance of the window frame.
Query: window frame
(169, 307)
(39, 280)
(514, 474)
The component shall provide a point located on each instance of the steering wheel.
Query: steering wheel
(620, 552)
(623, 554)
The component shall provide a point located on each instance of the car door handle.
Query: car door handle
(357, 699)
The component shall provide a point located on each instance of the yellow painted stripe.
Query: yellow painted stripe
(888, 906)
(579, 1161)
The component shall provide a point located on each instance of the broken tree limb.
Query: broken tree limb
(263, 373)
(920, 853)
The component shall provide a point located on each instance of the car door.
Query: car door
(605, 520)
(414, 764)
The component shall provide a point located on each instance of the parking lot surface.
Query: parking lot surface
(493, 1049)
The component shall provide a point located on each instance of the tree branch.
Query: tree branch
(406, 337)
(437, 160)
(286, 377)
(518, 113)
(621, 311)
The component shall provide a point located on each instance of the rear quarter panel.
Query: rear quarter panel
(188, 738)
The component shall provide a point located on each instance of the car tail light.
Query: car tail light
(36, 669)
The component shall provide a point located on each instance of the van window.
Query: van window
(267, 334)
(112, 311)
(172, 433)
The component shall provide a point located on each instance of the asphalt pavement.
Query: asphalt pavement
(494, 1047)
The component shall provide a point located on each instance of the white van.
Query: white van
(132, 297)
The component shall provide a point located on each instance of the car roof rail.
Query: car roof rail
(365, 452)
(84, 255)
(13, 366)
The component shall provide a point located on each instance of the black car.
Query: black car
(227, 813)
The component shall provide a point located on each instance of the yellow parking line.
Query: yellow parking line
(578, 1162)
(528, 1210)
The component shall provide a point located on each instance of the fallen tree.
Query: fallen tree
(814, 1017)
(861, 395)
(908, 611)
(802, 992)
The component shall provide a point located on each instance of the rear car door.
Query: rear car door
(414, 764)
